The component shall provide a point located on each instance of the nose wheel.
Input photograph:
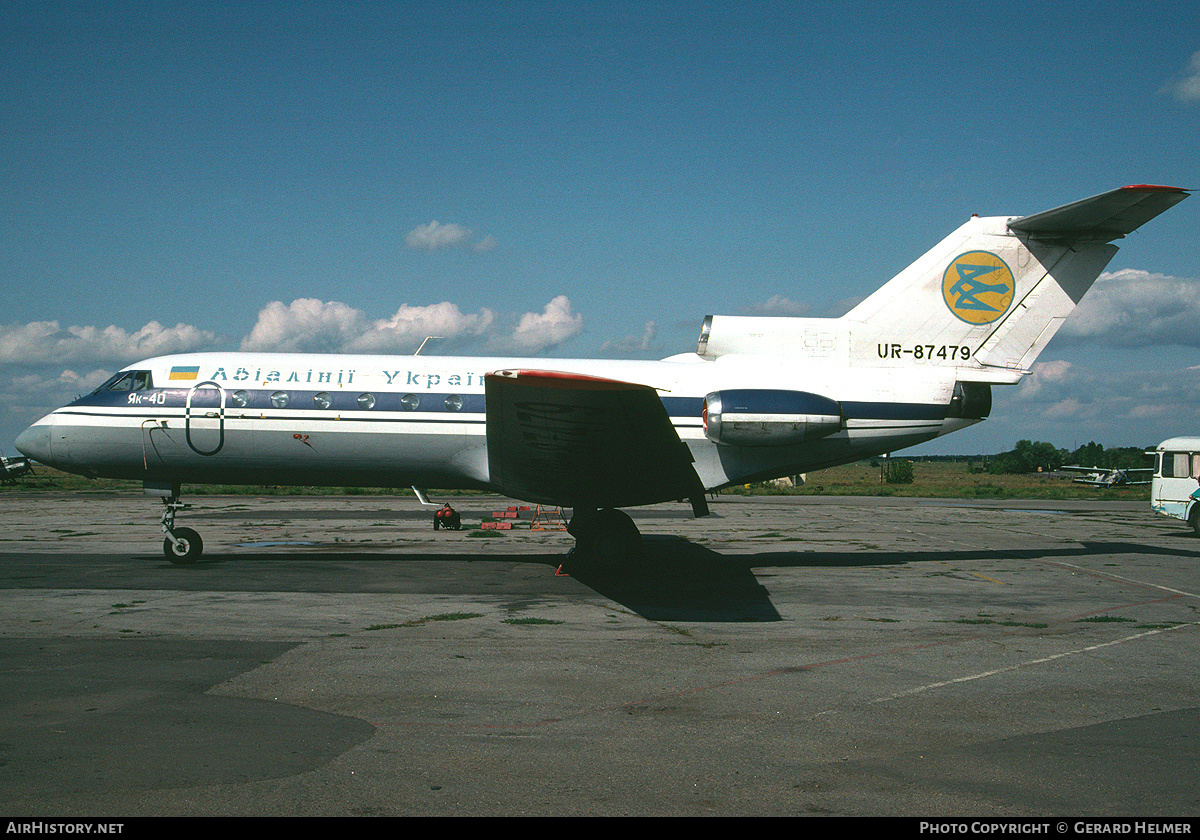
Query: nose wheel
(181, 545)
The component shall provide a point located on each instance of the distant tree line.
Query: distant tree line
(1029, 456)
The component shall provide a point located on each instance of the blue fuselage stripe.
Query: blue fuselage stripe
(349, 405)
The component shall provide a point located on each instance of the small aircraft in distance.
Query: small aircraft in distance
(1101, 477)
(760, 397)
(13, 468)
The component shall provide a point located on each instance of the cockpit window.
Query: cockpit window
(128, 380)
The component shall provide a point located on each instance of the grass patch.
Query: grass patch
(936, 479)
(1036, 625)
(1103, 619)
(943, 479)
(531, 620)
(417, 622)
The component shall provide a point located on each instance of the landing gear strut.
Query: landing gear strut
(182, 545)
(605, 537)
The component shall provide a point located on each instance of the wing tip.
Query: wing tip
(1156, 188)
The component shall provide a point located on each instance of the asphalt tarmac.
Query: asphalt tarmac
(785, 656)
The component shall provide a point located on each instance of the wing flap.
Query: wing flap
(1103, 217)
(582, 441)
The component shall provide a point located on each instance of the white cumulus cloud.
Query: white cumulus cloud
(435, 235)
(1134, 308)
(307, 325)
(633, 344)
(413, 324)
(1130, 404)
(1187, 87)
(1044, 375)
(777, 305)
(538, 332)
(314, 326)
(45, 342)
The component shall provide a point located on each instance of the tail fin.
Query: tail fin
(992, 294)
(986, 300)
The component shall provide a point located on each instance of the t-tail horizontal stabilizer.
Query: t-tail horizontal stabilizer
(1103, 217)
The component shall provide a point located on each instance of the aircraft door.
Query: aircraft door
(204, 418)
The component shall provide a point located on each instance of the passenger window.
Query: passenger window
(409, 402)
(366, 401)
(323, 400)
(1176, 465)
(279, 399)
(1196, 465)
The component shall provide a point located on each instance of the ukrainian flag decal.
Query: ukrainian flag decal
(188, 372)
(978, 287)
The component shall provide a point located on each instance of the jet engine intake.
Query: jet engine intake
(758, 417)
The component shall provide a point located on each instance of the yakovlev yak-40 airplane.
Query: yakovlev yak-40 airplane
(761, 397)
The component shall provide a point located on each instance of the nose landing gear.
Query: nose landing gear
(181, 545)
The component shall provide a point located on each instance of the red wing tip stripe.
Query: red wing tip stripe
(562, 379)
(1154, 187)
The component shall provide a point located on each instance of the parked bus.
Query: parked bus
(1176, 483)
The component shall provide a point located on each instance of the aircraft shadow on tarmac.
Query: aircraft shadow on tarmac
(682, 581)
(678, 580)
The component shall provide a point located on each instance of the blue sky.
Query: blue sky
(579, 180)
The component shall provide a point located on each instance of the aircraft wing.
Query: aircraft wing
(12, 468)
(1102, 477)
(584, 442)
(1103, 217)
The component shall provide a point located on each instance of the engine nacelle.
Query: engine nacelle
(758, 417)
(971, 400)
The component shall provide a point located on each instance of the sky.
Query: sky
(579, 180)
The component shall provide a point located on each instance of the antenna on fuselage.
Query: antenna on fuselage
(428, 338)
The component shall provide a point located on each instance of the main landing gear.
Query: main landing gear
(181, 545)
(604, 537)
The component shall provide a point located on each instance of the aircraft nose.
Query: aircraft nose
(34, 443)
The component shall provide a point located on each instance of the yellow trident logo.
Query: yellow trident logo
(978, 287)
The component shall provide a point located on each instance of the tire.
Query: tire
(188, 548)
(608, 538)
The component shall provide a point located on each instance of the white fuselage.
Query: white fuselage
(340, 420)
